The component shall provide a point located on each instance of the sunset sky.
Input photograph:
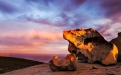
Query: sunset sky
(36, 26)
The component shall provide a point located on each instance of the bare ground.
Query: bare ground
(83, 69)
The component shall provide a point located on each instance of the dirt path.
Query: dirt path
(83, 69)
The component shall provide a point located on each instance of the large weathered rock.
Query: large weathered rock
(117, 42)
(69, 63)
(92, 45)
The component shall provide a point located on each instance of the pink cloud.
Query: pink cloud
(30, 38)
(110, 31)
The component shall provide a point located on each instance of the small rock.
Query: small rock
(93, 67)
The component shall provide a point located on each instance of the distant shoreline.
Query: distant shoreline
(35, 57)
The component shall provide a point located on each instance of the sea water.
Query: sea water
(38, 57)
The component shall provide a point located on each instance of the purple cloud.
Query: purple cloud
(30, 38)
(7, 7)
(111, 7)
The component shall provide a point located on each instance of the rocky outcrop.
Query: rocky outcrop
(117, 42)
(69, 63)
(91, 44)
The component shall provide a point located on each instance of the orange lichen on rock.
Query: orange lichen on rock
(111, 56)
(117, 42)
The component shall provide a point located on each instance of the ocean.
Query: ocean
(37, 57)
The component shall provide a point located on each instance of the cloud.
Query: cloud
(18, 49)
(31, 38)
(39, 20)
(102, 21)
(110, 31)
(45, 49)
(111, 7)
(63, 13)
(7, 7)
(65, 5)
(66, 20)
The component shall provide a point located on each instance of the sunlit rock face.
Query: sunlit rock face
(117, 42)
(91, 44)
(69, 63)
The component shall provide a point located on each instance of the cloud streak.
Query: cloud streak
(32, 38)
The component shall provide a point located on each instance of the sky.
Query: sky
(36, 26)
